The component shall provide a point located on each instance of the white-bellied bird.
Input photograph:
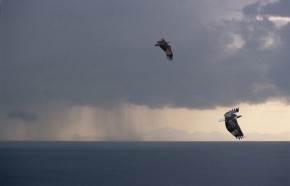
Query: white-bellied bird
(164, 45)
(231, 122)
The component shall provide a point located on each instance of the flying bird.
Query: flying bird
(164, 45)
(231, 122)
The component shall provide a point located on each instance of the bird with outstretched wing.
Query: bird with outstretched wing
(164, 45)
(231, 122)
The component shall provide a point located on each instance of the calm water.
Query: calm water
(145, 163)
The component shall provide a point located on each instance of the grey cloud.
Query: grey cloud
(101, 53)
(252, 9)
(278, 58)
(280, 69)
(277, 8)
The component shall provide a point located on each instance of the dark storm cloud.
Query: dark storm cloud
(96, 53)
(101, 53)
(279, 58)
(21, 114)
(278, 8)
(280, 70)
(252, 9)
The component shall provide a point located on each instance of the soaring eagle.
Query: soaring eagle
(165, 47)
(231, 122)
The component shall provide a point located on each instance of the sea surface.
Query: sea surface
(145, 163)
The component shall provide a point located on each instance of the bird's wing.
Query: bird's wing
(234, 128)
(163, 47)
(231, 112)
(168, 52)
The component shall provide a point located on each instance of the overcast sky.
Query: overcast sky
(73, 68)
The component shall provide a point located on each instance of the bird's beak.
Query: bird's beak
(221, 120)
(239, 116)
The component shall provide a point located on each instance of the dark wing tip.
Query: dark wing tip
(235, 109)
(168, 52)
(239, 137)
(170, 57)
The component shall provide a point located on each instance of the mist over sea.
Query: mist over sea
(145, 163)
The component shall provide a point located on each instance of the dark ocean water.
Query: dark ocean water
(145, 163)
